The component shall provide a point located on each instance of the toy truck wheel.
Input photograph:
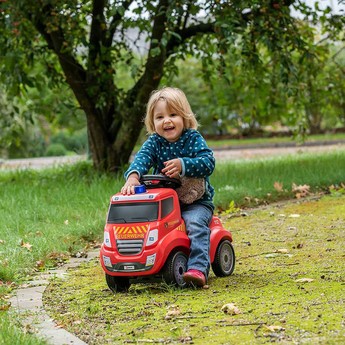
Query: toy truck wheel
(174, 268)
(117, 284)
(224, 260)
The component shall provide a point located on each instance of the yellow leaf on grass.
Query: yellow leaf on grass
(26, 245)
(231, 309)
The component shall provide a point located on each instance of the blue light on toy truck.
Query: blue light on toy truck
(139, 189)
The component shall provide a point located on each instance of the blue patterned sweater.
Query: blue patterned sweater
(196, 157)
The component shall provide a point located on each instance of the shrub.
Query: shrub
(76, 141)
(56, 150)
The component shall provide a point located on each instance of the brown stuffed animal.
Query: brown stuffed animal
(191, 189)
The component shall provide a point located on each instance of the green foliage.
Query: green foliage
(56, 149)
(231, 209)
(256, 47)
(75, 142)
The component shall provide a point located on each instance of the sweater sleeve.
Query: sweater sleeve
(201, 161)
(143, 160)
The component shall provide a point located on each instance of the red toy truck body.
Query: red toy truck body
(145, 238)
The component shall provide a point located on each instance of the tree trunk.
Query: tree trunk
(312, 109)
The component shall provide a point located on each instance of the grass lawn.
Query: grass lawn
(287, 287)
(50, 215)
(275, 141)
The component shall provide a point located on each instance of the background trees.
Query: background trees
(254, 46)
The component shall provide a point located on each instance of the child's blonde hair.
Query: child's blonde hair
(176, 101)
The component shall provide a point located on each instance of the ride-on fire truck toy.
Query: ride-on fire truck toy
(145, 237)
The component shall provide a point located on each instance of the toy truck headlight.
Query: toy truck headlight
(106, 240)
(152, 237)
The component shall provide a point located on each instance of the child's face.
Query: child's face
(167, 124)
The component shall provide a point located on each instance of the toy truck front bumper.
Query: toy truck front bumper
(113, 262)
(148, 262)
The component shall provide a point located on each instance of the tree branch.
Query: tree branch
(97, 31)
(187, 33)
(56, 42)
(155, 61)
(204, 28)
(116, 20)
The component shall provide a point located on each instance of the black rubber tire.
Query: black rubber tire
(224, 260)
(174, 268)
(117, 284)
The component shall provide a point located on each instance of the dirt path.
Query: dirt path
(220, 155)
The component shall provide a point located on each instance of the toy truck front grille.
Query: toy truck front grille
(129, 247)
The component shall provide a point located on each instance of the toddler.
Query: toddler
(175, 148)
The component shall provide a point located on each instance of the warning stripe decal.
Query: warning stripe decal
(139, 229)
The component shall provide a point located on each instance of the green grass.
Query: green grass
(274, 140)
(252, 182)
(12, 332)
(288, 285)
(47, 216)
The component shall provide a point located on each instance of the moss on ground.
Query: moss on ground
(288, 285)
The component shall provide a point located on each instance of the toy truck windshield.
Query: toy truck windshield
(133, 212)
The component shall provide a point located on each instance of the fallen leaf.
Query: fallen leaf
(278, 187)
(231, 309)
(300, 191)
(5, 307)
(2, 242)
(173, 310)
(273, 328)
(304, 280)
(26, 245)
(282, 251)
(39, 264)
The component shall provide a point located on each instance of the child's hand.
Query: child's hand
(172, 168)
(128, 188)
